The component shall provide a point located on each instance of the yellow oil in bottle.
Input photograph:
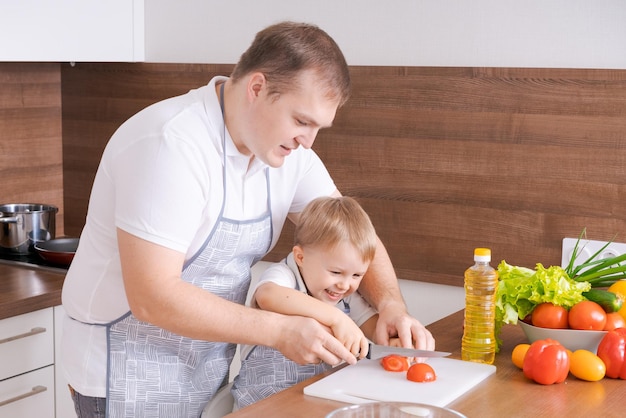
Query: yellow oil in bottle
(481, 281)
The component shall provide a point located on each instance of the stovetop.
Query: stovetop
(31, 261)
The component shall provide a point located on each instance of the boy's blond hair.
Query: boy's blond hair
(328, 221)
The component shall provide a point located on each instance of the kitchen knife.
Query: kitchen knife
(377, 351)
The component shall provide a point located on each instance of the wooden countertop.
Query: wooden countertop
(26, 289)
(507, 393)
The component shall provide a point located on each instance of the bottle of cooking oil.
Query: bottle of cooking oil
(481, 280)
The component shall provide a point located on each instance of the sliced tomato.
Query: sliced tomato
(421, 372)
(395, 363)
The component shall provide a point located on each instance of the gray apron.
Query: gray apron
(156, 373)
(266, 371)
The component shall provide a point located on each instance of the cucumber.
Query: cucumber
(608, 300)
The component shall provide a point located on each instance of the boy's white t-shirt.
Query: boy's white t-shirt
(287, 274)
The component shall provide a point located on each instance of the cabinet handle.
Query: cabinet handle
(36, 390)
(33, 331)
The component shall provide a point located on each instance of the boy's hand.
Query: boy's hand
(349, 334)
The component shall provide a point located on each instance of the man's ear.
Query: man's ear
(256, 83)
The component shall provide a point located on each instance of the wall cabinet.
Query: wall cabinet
(446, 33)
(565, 33)
(27, 366)
(72, 30)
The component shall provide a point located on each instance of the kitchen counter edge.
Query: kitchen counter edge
(27, 289)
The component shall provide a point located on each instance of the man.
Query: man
(189, 194)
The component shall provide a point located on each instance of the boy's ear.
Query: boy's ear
(298, 254)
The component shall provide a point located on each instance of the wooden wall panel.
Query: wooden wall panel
(443, 159)
(97, 99)
(30, 135)
(514, 159)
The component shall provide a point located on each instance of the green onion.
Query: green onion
(599, 273)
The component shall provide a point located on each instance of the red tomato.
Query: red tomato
(547, 315)
(614, 320)
(421, 372)
(587, 315)
(546, 362)
(395, 363)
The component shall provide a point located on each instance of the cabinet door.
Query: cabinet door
(26, 342)
(72, 30)
(64, 404)
(28, 395)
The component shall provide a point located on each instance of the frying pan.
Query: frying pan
(58, 251)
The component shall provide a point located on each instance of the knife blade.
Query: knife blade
(377, 351)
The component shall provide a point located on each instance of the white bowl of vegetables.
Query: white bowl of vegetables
(569, 305)
(572, 339)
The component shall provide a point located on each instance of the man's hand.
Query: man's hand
(306, 341)
(394, 321)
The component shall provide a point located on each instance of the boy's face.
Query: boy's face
(330, 274)
(277, 125)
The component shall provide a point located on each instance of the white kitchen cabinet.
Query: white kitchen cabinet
(72, 30)
(28, 395)
(63, 402)
(26, 369)
(478, 33)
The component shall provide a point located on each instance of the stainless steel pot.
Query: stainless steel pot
(24, 224)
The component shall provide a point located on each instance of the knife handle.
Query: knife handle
(369, 351)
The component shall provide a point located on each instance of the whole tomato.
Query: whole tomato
(587, 315)
(614, 320)
(585, 365)
(546, 362)
(518, 354)
(548, 315)
(619, 288)
(612, 351)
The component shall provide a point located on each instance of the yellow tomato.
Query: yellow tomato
(586, 366)
(519, 352)
(619, 288)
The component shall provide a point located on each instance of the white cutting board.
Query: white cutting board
(367, 381)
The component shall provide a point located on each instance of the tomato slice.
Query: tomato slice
(421, 372)
(395, 363)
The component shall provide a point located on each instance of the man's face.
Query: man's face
(276, 125)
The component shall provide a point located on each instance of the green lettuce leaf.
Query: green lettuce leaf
(520, 289)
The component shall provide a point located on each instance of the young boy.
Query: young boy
(335, 242)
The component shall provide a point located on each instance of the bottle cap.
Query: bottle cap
(482, 254)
